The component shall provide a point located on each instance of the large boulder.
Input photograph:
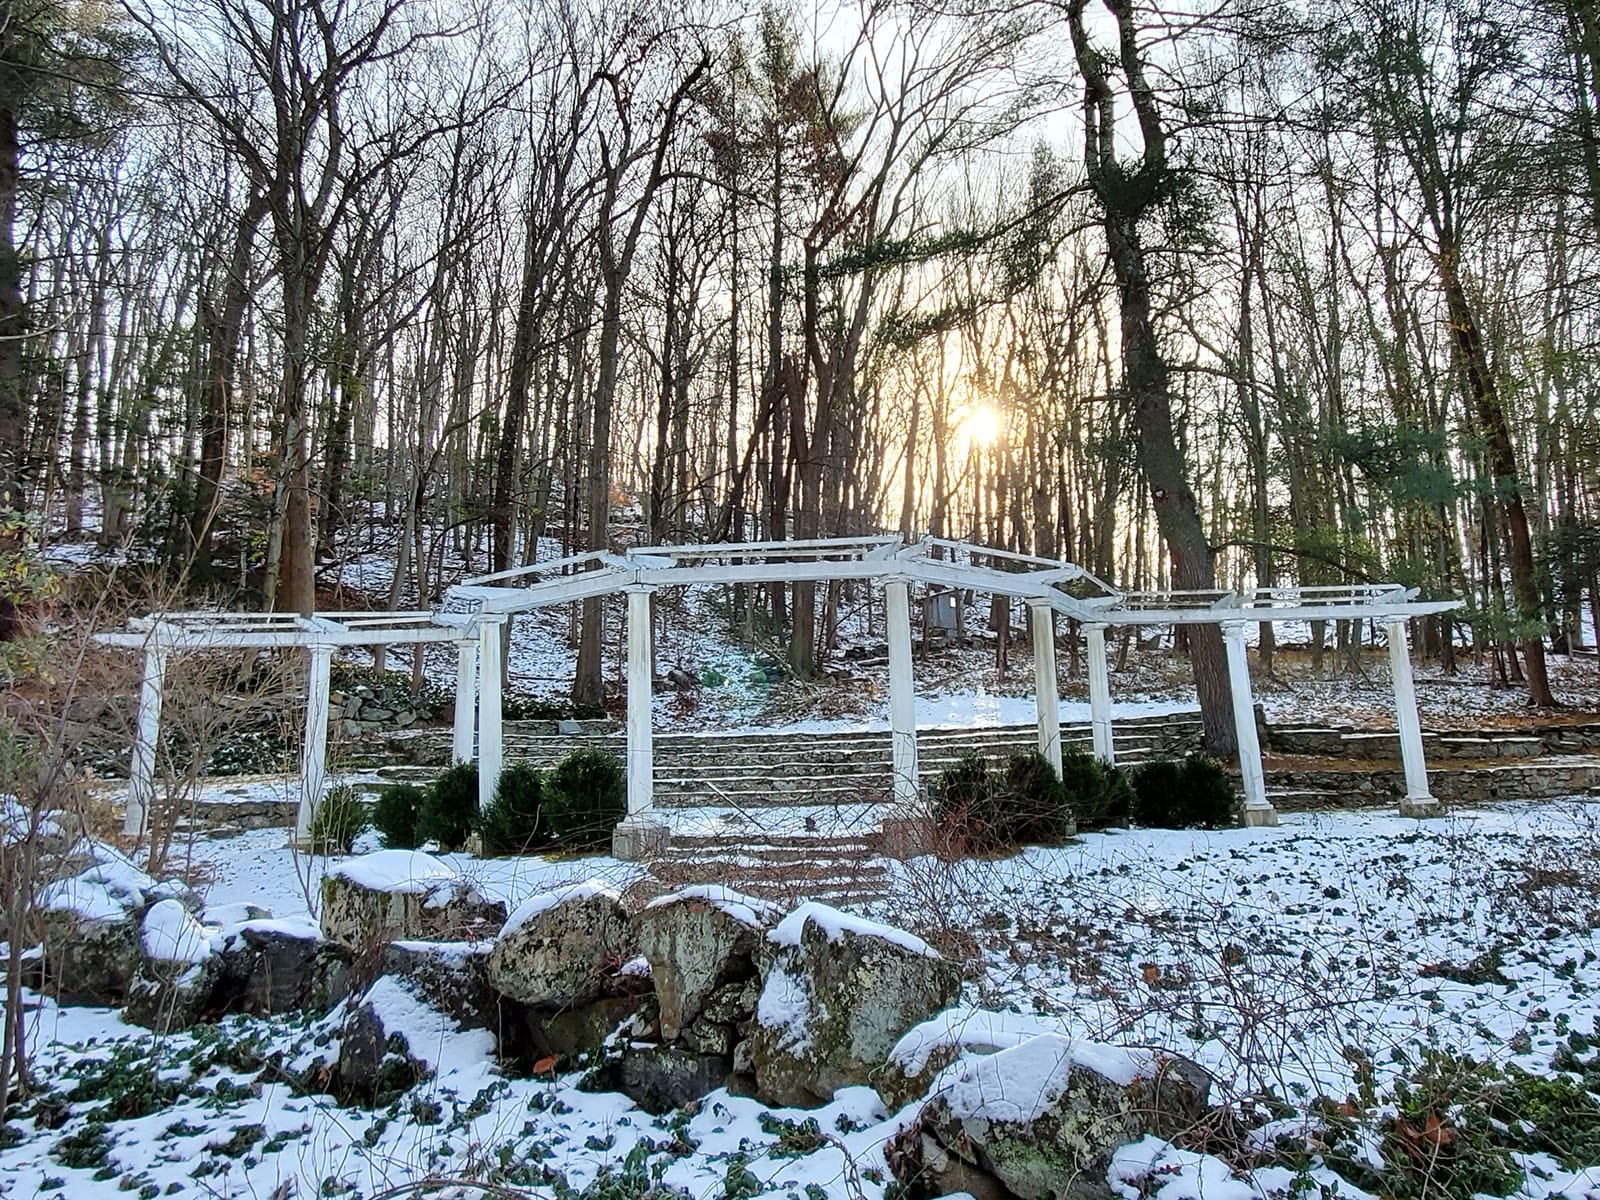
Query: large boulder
(391, 895)
(1043, 1118)
(839, 994)
(697, 941)
(279, 965)
(393, 1038)
(561, 949)
(90, 938)
(178, 969)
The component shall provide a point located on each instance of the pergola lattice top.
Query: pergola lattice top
(939, 562)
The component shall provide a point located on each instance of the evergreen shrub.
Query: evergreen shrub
(338, 821)
(394, 816)
(584, 798)
(449, 810)
(1196, 793)
(512, 823)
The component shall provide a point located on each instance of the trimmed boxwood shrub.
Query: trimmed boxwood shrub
(964, 804)
(1196, 793)
(512, 824)
(1033, 805)
(449, 810)
(987, 811)
(394, 816)
(1098, 793)
(338, 821)
(584, 798)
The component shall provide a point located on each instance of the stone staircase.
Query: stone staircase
(788, 868)
(778, 768)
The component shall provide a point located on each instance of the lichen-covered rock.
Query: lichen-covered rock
(839, 994)
(698, 940)
(90, 938)
(277, 966)
(1044, 1117)
(392, 895)
(560, 949)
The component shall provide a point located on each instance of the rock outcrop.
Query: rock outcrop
(838, 995)
(392, 895)
(1042, 1119)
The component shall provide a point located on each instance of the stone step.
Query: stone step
(856, 844)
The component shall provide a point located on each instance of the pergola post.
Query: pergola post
(1046, 693)
(902, 697)
(1419, 801)
(1100, 695)
(461, 744)
(142, 768)
(490, 744)
(314, 748)
(1258, 809)
(641, 835)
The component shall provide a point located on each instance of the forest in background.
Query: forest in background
(1228, 297)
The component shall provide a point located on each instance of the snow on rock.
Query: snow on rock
(841, 991)
(394, 894)
(928, 1048)
(543, 902)
(236, 913)
(1020, 1083)
(403, 872)
(178, 969)
(1046, 1110)
(835, 923)
(558, 948)
(452, 977)
(751, 910)
(170, 934)
(86, 899)
(696, 941)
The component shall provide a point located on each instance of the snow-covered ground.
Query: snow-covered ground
(1324, 958)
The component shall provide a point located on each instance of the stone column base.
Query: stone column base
(1421, 806)
(1261, 818)
(639, 839)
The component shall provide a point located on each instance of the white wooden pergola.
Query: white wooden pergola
(162, 635)
(1048, 587)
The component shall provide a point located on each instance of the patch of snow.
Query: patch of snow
(836, 923)
(431, 1036)
(408, 872)
(543, 902)
(1153, 1169)
(172, 935)
(748, 910)
(784, 1005)
(965, 1028)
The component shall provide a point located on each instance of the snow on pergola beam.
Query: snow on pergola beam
(204, 630)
